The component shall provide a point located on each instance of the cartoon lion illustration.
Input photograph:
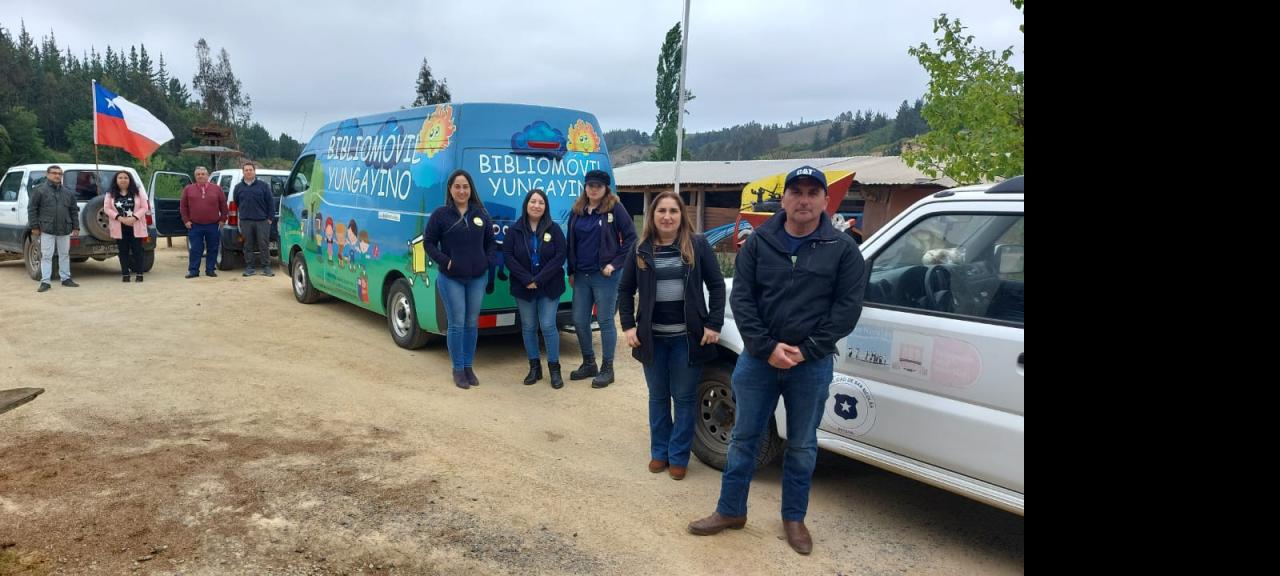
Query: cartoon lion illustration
(437, 131)
(583, 138)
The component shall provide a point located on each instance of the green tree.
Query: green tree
(22, 134)
(428, 90)
(836, 133)
(667, 97)
(257, 143)
(177, 94)
(80, 139)
(221, 93)
(974, 108)
(289, 148)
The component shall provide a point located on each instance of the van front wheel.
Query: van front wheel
(303, 290)
(402, 317)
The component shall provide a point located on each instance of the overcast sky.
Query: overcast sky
(309, 63)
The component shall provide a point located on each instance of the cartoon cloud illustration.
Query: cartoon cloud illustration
(539, 137)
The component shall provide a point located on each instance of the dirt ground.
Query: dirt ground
(216, 426)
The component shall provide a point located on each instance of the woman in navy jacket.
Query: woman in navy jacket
(534, 251)
(459, 238)
(601, 236)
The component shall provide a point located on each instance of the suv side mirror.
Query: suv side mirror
(1009, 258)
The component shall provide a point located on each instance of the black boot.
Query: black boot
(556, 381)
(535, 372)
(605, 377)
(586, 370)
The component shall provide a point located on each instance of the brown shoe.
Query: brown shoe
(677, 472)
(657, 466)
(715, 523)
(798, 536)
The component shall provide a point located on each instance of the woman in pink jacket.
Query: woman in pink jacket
(127, 208)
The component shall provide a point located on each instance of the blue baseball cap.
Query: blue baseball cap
(806, 172)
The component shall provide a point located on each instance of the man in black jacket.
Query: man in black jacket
(54, 218)
(797, 289)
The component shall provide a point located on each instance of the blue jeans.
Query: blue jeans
(540, 312)
(593, 288)
(203, 239)
(670, 377)
(756, 388)
(462, 307)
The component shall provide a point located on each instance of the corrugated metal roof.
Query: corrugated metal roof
(870, 170)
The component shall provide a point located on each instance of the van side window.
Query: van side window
(9, 187)
(299, 180)
(954, 264)
(225, 184)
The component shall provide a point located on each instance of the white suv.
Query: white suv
(930, 382)
(89, 182)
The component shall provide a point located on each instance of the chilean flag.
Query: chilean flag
(123, 124)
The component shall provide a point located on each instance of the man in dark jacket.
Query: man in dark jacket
(797, 289)
(54, 218)
(254, 208)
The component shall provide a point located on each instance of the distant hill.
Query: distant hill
(869, 133)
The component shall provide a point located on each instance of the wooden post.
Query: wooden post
(701, 196)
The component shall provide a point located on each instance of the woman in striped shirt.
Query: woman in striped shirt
(674, 329)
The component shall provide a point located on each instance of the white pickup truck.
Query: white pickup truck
(930, 382)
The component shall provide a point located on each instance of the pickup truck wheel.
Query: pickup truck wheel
(714, 428)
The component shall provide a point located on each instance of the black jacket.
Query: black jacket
(811, 303)
(552, 253)
(697, 313)
(53, 209)
(466, 240)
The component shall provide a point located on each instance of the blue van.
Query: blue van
(358, 199)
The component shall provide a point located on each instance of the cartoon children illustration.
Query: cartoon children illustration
(364, 245)
(318, 232)
(352, 244)
(362, 286)
(328, 236)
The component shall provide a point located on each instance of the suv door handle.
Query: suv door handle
(1020, 359)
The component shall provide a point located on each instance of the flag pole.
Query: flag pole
(94, 87)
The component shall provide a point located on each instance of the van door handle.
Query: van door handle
(1020, 358)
